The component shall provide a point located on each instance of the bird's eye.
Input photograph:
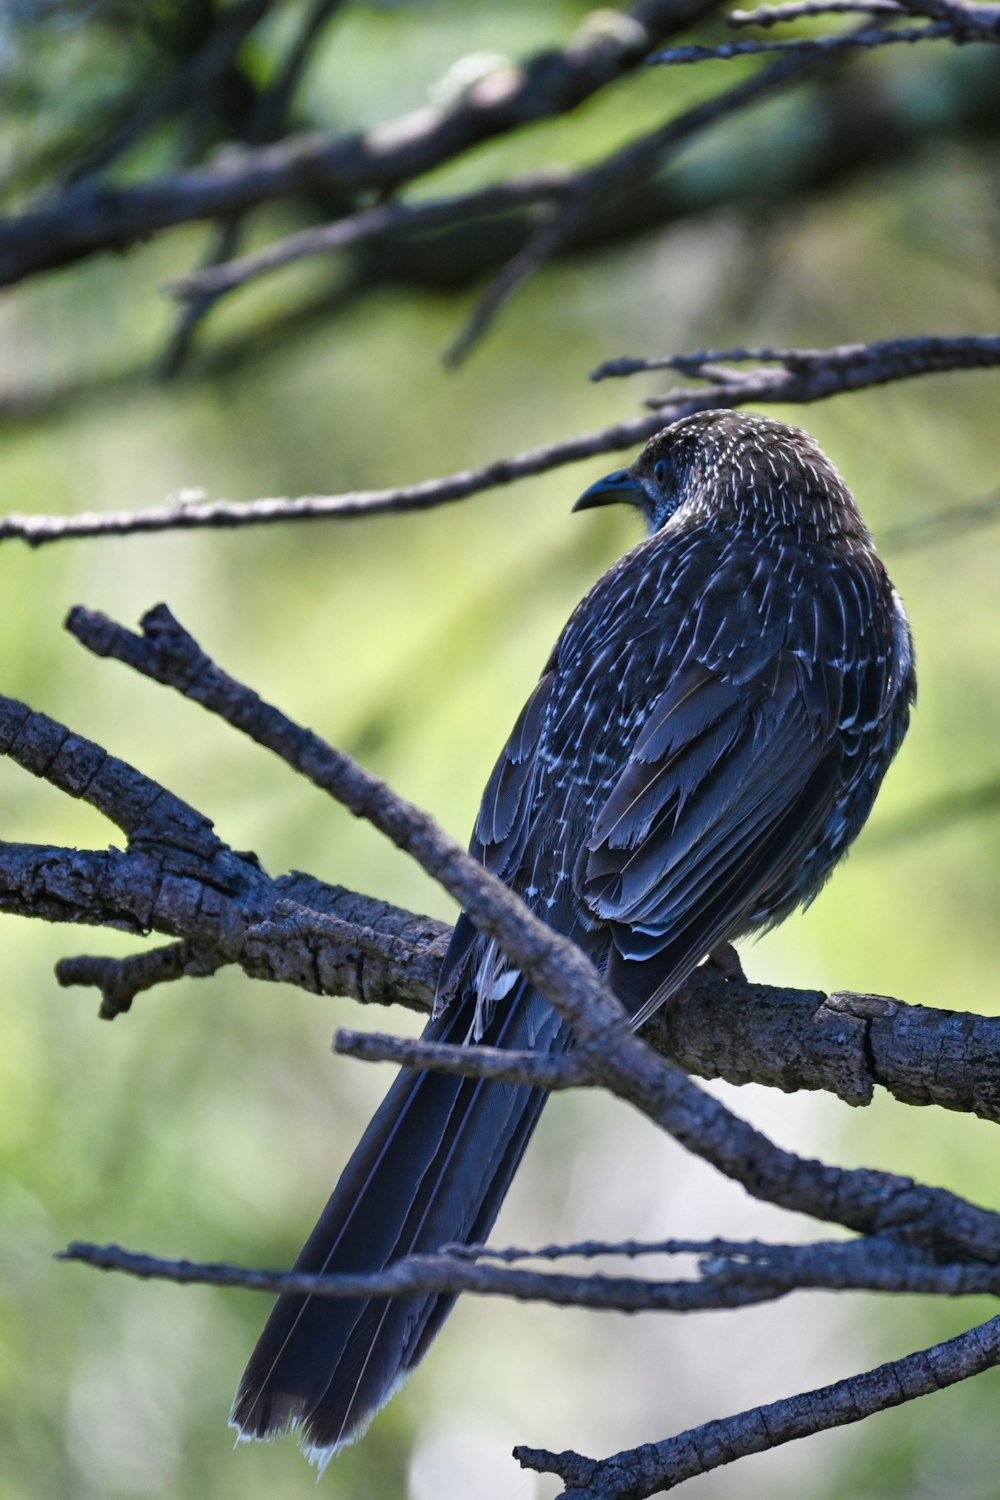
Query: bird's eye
(660, 471)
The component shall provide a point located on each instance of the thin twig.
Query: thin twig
(724, 1277)
(222, 247)
(265, 122)
(809, 375)
(594, 186)
(539, 1070)
(196, 80)
(38, 530)
(938, 31)
(922, 354)
(121, 979)
(438, 1273)
(971, 15)
(271, 110)
(394, 217)
(798, 10)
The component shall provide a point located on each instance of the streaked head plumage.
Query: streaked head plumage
(734, 468)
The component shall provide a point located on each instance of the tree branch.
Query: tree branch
(642, 1472)
(592, 189)
(121, 979)
(868, 1201)
(914, 1238)
(177, 877)
(805, 375)
(727, 1275)
(384, 219)
(811, 374)
(97, 216)
(798, 10)
(813, 47)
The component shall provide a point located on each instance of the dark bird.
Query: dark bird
(707, 738)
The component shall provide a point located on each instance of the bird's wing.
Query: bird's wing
(729, 786)
(502, 830)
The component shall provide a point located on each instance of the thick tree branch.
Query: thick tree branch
(179, 879)
(914, 1238)
(97, 216)
(868, 1201)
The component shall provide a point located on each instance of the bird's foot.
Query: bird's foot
(724, 963)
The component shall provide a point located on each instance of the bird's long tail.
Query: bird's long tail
(431, 1169)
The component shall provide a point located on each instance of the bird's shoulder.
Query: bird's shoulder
(729, 598)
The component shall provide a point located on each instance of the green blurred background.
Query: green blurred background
(212, 1121)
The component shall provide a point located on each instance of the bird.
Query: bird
(705, 741)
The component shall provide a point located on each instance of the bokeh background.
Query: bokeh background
(211, 1122)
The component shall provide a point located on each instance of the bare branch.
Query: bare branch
(328, 940)
(198, 79)
(895, 359)
(266, 121)
(540, 1070)
(868, 1201)
(970, 15)
(94, 217)
(121, 979)
(37, 530)
(727, 1275)
(593, 188)
(223, 246)
(438, 1273)
(798, 10)
(133, 802)
(807, 375)
(271, 110)
(816, 46)
(642, 1472)
(372, 224)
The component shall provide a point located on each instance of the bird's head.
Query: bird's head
(730, 467)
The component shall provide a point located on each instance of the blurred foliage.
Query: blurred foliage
(211, 1122)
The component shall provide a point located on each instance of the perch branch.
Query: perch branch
(869, 1201)
(328, 940)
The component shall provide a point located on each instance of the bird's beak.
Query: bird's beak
(622, 485)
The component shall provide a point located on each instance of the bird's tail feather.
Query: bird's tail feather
(432, 1168)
